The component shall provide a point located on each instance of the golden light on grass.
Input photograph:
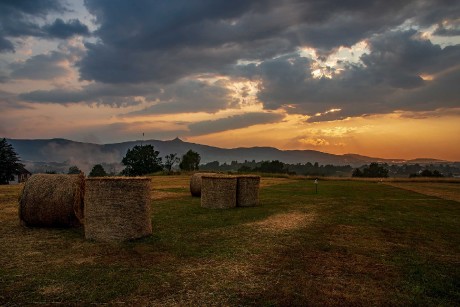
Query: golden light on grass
(284, 222)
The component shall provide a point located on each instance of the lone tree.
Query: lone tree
(74, 170)
(190, 161)
(9, 162)
(170, 160)
(97, 171)
(141, 160)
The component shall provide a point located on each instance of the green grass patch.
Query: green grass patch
(352, 243)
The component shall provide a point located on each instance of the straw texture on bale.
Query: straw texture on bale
(218, 192)
(117, 209)
(195, 183)
(247, 191)
(52, 200)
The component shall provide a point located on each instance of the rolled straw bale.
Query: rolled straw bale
(195, 183)
(218, 191)
(247, 191)
(117, 209)
(52, 200)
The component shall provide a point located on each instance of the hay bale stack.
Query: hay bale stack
(117, 208)
(218, 191)
(195, 183)
(52, 200)
(247, 191)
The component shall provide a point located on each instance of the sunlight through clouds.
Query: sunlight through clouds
(332, 76)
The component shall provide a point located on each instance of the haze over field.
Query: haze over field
(376, 78)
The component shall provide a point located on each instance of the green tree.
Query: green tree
(141, 160)
(74, 170)
(97, 171)
(9, 162)
(190, 161)
(170, 160)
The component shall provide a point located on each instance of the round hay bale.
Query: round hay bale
(195, 183)
(218, 192)
(247, 191)
(117, 209)
(52, 200)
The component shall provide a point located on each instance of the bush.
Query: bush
(98, 171)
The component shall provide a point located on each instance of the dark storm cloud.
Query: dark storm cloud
(179, 97)
(165, 41)
(189, 96)
(61, 29)
(155, 49)
(97, 93)
(233, 122)
(20, 18)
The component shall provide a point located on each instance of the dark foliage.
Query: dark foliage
(374, 170)
(73, 170)
(416, 170)
(271, 167)
(141, 160)
(190, 161)
(307, 169)
(9, 162)
(427, 173)
(98, 171)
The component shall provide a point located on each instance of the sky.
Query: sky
(376, 78)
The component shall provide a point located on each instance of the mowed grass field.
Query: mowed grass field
(353, 243)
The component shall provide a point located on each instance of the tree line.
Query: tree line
(278, 167)
(144, 159)
(138, 161)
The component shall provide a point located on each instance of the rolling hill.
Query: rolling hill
(60, 153)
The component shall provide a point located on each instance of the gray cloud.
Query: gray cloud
(21, 19)
(189, 96)
(10, 101)
(155, 50)
(61, 29)
(155, 41)
(97, 93)
(179, 97)
(233, 122)
(388, 79)
(40, 67)
(449, 27)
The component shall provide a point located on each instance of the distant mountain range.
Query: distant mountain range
(59, 154)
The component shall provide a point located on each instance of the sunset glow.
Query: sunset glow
(238, 76)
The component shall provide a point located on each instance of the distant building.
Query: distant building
(22, 175)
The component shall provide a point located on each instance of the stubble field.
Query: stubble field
(353, 243)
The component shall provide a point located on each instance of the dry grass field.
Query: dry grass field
(443, 190)
(353, 243)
